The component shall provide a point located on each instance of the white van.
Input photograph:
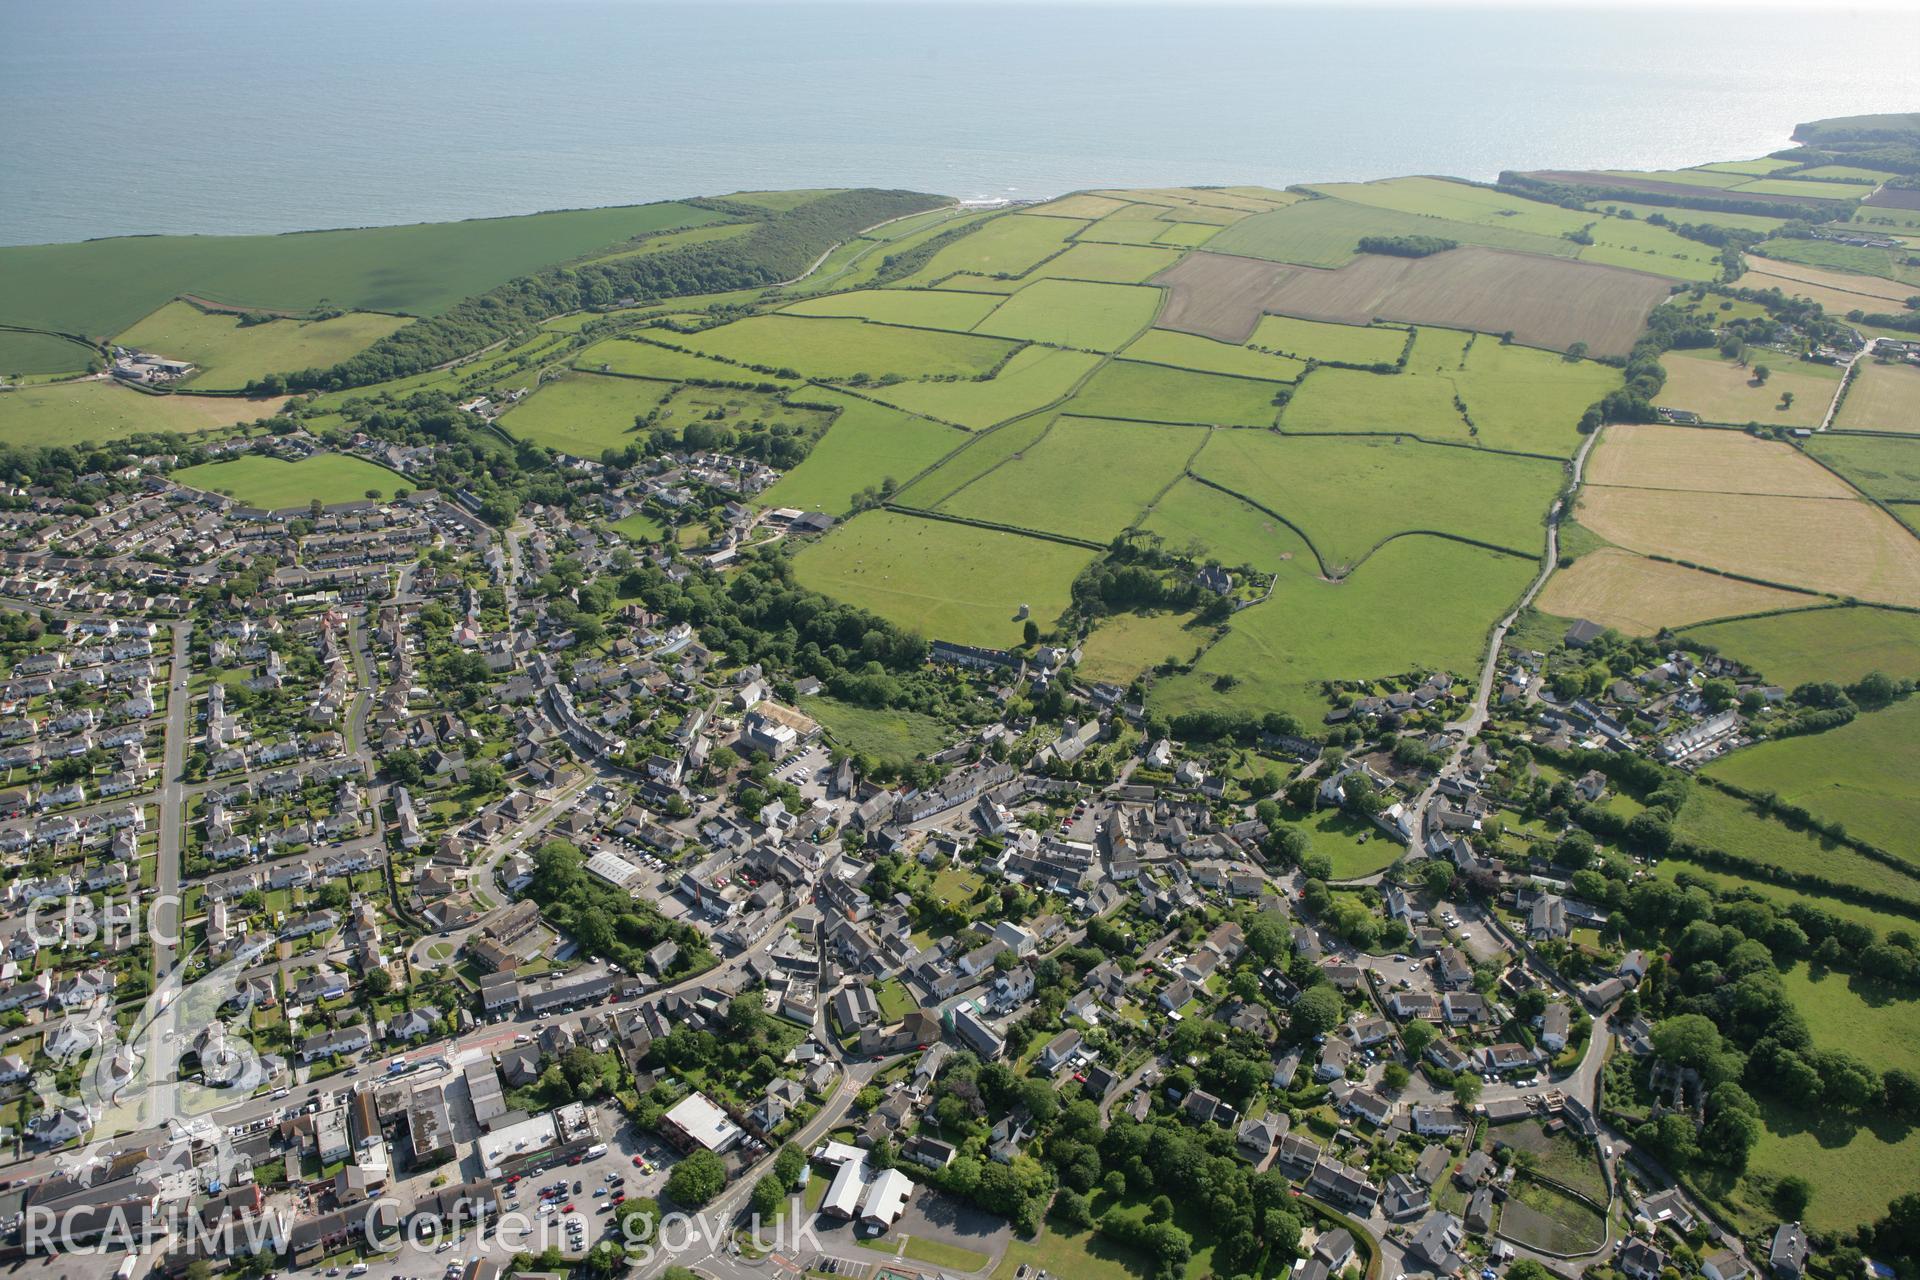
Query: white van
(597, 1150)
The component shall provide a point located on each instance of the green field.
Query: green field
(230, 354)
(1010, 245)
(1879, 466)
(1196, 519)
(275, 485)
(1460, 202)
(1728, 823)
(947, 581)
(1792, 649)
(1087, 478)
(839, 350)
(1349, 494)
(1190, 351)
(882, 735)
(1418, 603)
(1072, 313)
(1529, 400)
(30, 354)
(1753, 168)
(1355, 846)
(924, 308)
(747, 410)
(1875, 1020)
(1856, 1170)
(1712, 217)
(1348, 400)
(1556, 1155)
(1725, 882)
(648, 360)
(1864, 775)
(976, 459)
(1318, 340)
(1113, 263)
(1126, 644)
(1037, 376)
(98, 411)
(867, 445)
(1326, 233)
(679, 240)
(1641, 246)
(585, 414)
(1158, 393)
(1186, 235)
(100, 287)
(1809, 190)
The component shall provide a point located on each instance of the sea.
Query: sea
(122, 117)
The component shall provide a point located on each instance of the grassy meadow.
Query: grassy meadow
(99, 410)
(867, 445)
(231, 354)
(1792, 649)
(585, 414)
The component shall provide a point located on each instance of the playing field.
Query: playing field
(1639, 596)
(1189, 351)
(1417, 604)
(1070, 313)
(1663, 457)
(1722, 390)
(1326, 233)
(1841, 645)
(1010, 245)
(838, 350)
(1157, 393)
(1883, 397)
(925, 308)
(100, 287)
(1201, 521)
(644, 359)
(585, 414)
(275, 485)
(1037, 376)
(1348, 495)
(231, 354)
(1114, 263)
(1339, 343)
(1123, 646)
(96, 411)
(947, 581)
(867, 445)
(1843, 547)
(1864, 775)
(1087, 478)
(1885, 467)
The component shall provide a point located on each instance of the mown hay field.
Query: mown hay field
(1113, 263)
(1349, 494)
(837, 350)
(99, 410)
(1838, 299)
(922, 308)
(1126, 644)
(1315, 340)
(1884, 467)
(1071, 313)
(585, 414)
(1722, 390)
(1087, 478)
(1842, 547)
(1418, 603)
(1841, 645)
(1037, 376)
(1864, 775)
(1665, 457)
(231, 355)
(1852, 284)
(1639, 596)
(1190, 351)
(867, 445)
(1882, 397)
(1157, 393)
(274, 484)
(946, 581)
(1012, 244)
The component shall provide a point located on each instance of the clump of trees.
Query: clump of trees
(1407, 246)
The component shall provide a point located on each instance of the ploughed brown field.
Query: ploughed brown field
(1543, 302)
(1894, 198)
(1584, 178)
